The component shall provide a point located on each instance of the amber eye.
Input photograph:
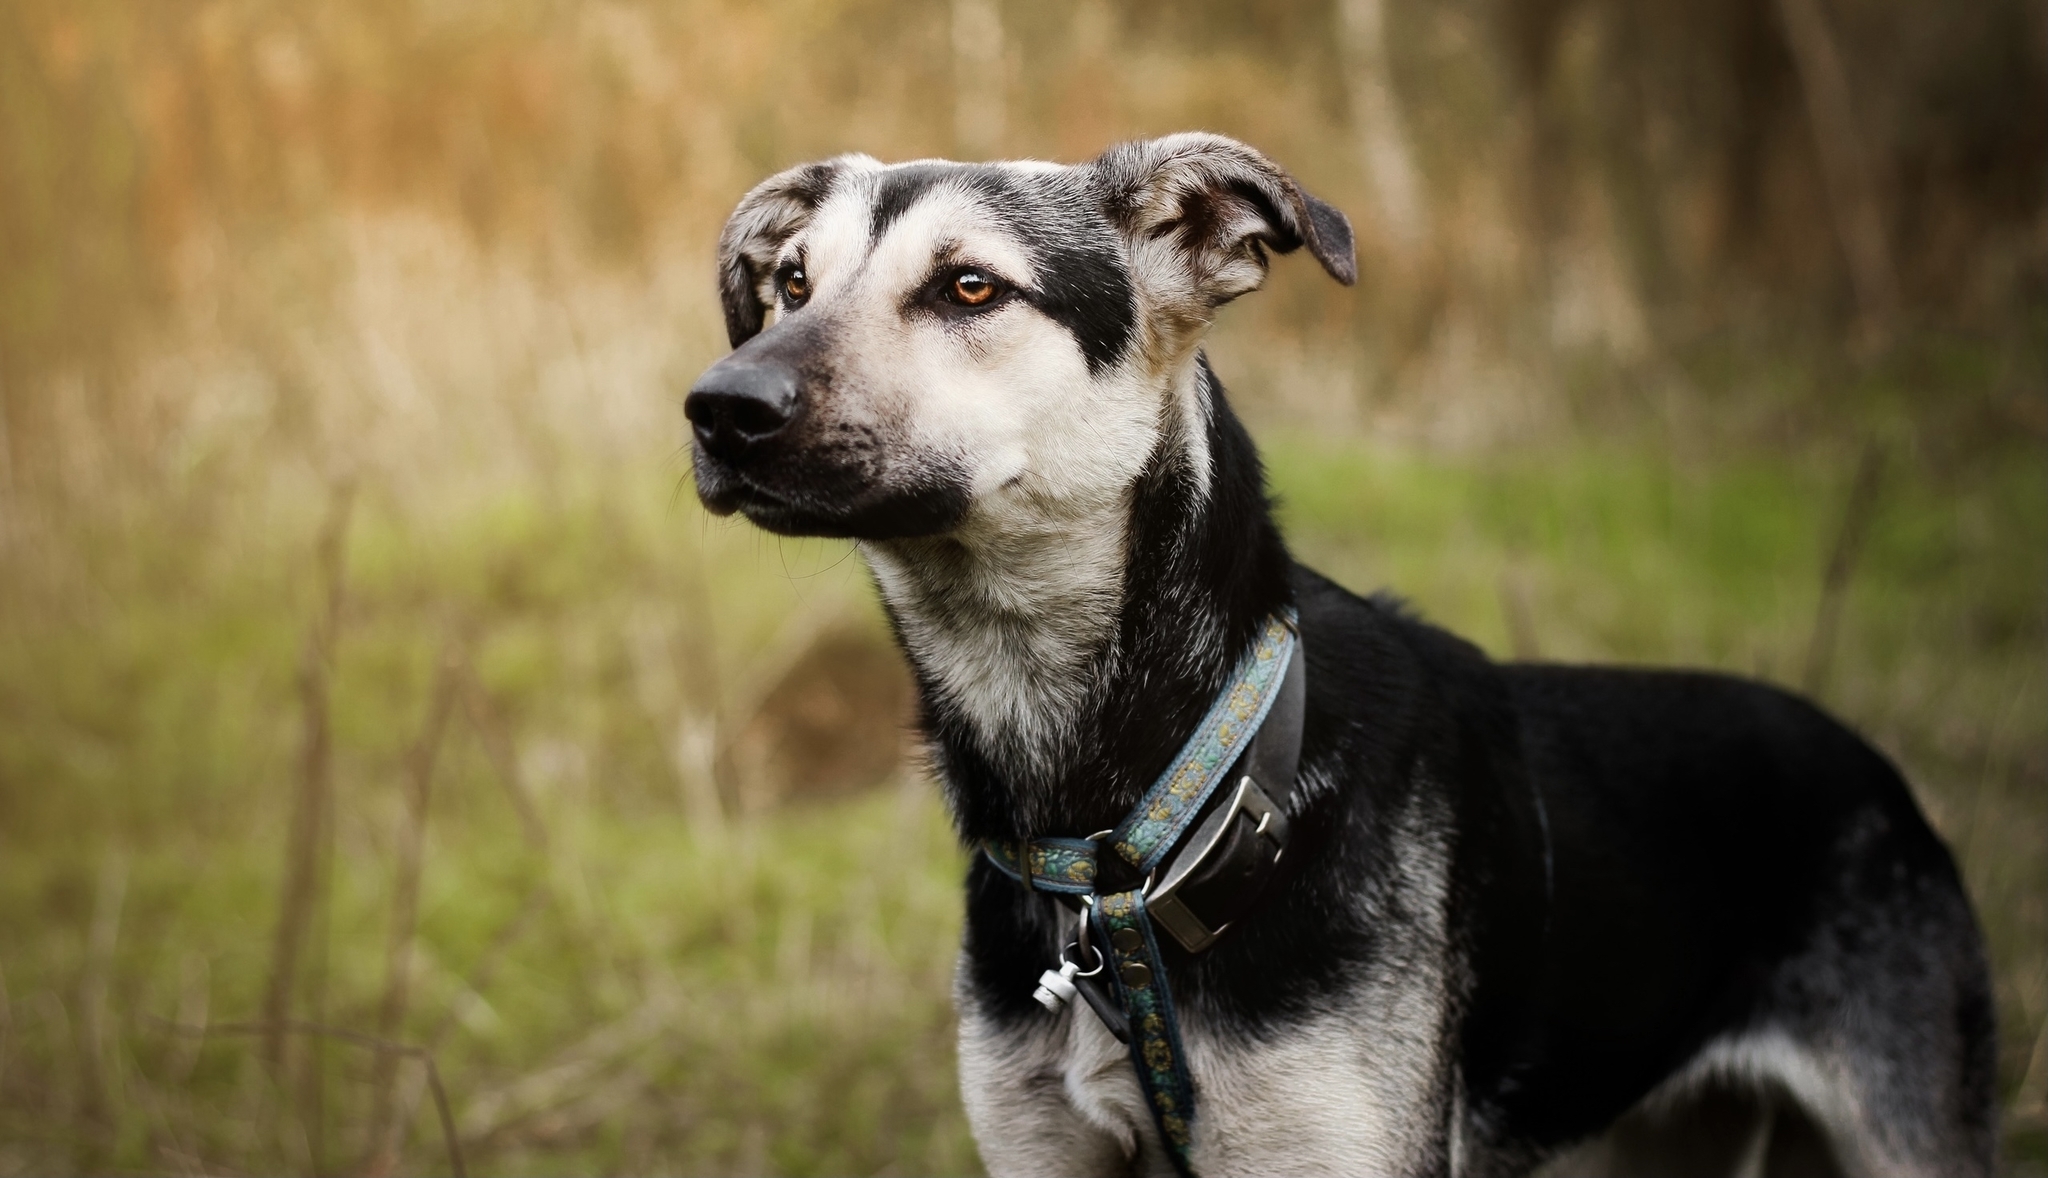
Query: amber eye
(796, 287)
(973, 288)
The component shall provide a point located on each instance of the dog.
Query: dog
(1534, 917)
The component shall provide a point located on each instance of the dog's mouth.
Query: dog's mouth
(831, 504)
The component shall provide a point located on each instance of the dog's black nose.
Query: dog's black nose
(738, 405)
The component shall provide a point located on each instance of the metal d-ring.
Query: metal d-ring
(1100, 962)
(1080, 941)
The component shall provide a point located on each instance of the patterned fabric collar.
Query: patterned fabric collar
(1152, 830)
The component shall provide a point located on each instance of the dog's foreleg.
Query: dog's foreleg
(1035, 1095)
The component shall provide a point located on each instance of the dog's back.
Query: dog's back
(1703, 927)
(1745, 895)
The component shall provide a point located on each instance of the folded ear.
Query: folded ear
(776, 210)
(1216, 206)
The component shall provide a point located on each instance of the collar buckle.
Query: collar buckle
(1231, 857)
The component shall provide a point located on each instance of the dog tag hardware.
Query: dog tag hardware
(1058, 987)
(1055, 990)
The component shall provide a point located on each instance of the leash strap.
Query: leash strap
(1154, 1037)
(1170, 807)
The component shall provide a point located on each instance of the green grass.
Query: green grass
(641, 990)
(770, 1000)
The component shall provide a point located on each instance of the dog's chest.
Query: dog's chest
(1359, 1077)
(1354, 1087)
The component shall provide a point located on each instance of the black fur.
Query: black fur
(1085, 289)
(1083, 283)
(1149, 694)
(1636, 864)
(901, 187)
(1710, 833)
(1641, 860)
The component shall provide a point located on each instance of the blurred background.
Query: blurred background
(399, 772)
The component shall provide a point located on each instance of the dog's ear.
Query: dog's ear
(766, 218)
(1216, 206)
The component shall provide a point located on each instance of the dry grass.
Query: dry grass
(365, 663)
(565, 714)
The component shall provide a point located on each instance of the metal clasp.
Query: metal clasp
(1164, 901)
(1056, 987)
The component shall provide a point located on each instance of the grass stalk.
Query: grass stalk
(412, 832)
(312, 801)
(1521, 619)
(1841, 567)
(384, 1047)
(100, 1109)
(496, 737)
(1849, 175)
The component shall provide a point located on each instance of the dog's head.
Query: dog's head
(920, 343)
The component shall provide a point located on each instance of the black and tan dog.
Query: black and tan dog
(1595, 920)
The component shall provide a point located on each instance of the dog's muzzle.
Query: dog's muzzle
(768, 447)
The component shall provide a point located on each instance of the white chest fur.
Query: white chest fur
(1363, 1084)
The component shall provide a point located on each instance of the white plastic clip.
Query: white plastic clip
(1056, 989)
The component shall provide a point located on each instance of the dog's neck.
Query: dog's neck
(1062, 661)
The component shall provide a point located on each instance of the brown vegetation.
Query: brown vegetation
(394, 761)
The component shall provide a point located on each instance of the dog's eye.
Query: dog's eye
(796, 286)
(972, 288)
